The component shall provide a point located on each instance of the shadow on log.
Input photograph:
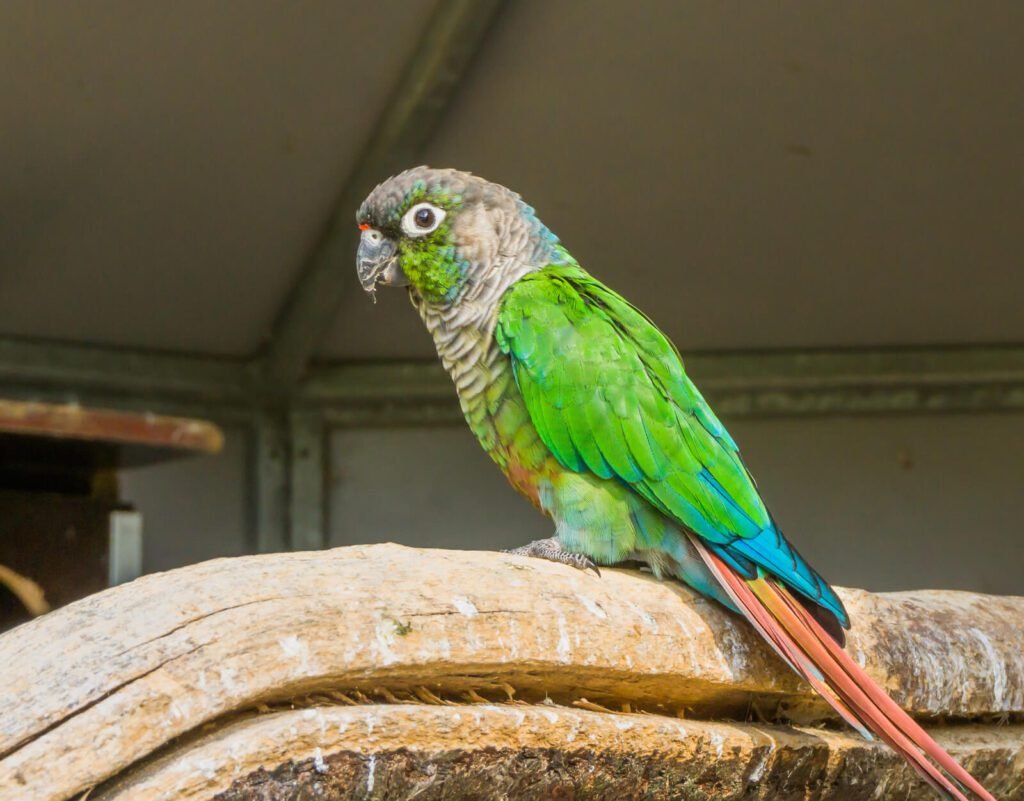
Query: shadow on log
(385, 672)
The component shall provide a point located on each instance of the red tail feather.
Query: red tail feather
(805, 645)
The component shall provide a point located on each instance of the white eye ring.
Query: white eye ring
(416, 223)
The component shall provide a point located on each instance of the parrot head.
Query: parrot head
(439, 232)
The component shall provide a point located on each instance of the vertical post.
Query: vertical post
(125, 548)
(306, 507)
(269, 481)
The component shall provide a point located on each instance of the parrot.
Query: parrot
(585, 406)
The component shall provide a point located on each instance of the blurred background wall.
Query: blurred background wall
(822, 203)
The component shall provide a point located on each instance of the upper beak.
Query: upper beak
(377, 261)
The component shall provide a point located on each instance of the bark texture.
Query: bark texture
(527, 751)
(473, 667)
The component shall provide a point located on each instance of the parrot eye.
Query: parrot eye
(422, 219)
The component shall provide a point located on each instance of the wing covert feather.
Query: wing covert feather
(608, 394)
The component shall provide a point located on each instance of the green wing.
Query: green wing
(607, 393)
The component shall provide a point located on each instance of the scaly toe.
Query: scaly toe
(552, 551)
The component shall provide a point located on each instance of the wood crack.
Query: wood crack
(86, 706)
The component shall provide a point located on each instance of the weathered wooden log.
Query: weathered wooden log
(540, 752)
(154, 689)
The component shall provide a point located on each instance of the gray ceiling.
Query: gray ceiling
(166, 168)
(753, 175)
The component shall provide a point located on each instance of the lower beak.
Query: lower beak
(377, 262)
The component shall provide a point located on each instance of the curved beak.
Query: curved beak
(377, 261)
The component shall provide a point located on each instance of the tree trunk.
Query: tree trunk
(386, 672)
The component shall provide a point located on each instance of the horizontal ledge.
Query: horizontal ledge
(487, 751)
(106, 681)
(739, 384)
(782, 369)
(58, 371)
(109, 427)
(730, 405)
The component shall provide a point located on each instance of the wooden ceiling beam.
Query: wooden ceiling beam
(450, 40)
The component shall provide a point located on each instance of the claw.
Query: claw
(552, 551)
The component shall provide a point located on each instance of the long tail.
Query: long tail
(805, 645)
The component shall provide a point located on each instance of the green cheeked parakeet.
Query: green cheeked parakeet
(585, 406)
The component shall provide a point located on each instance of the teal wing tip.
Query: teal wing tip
(828, 609)
(773, 553)
(830, 601)
(837, 607)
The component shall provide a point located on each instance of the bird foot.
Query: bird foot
(552, 550)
